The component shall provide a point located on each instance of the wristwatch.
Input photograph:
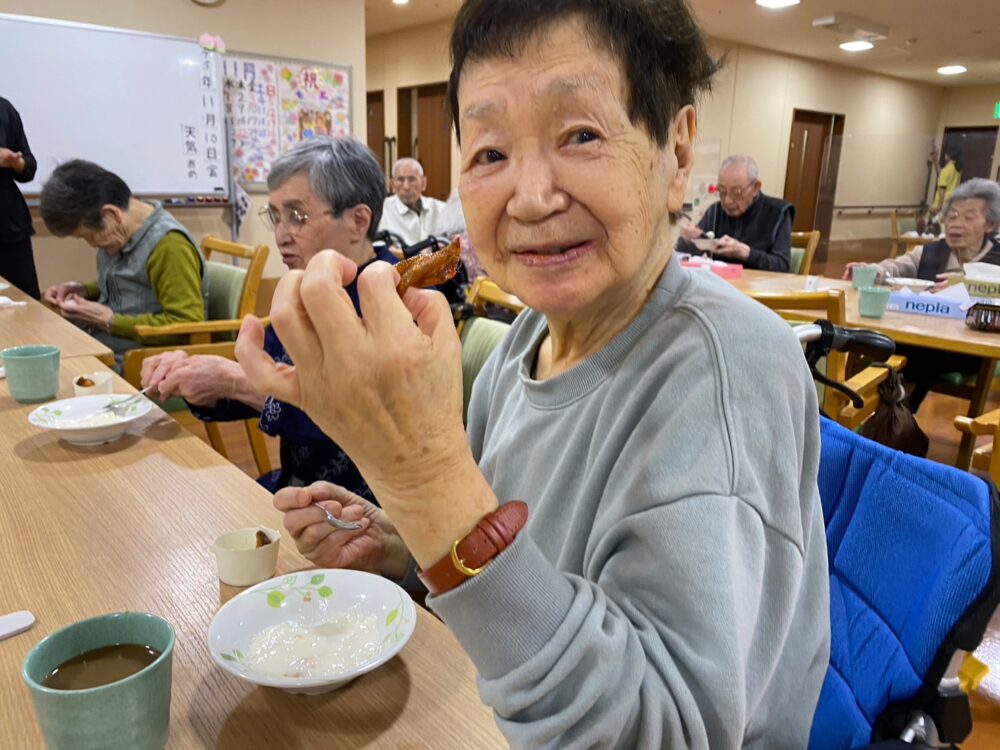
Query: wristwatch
(471, 554)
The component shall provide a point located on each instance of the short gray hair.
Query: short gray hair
(342, 171)
(985, 190)
(408, 160)
(748, 163)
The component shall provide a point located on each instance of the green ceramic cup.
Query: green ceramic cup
(32, 372)
(131, 714)
(862, 276)
(872, 301)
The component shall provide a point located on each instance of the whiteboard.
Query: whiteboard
(144, 106)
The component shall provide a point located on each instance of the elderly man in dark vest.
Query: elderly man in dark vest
(749, 227)
(150, 270)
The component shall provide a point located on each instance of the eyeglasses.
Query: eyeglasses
(735, 193)
(294, 220)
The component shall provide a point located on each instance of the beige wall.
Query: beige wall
(889, 122)
(261, 26)
(413, 57)
(889, 125)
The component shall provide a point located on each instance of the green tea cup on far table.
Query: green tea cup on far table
(117, 697)
(32, 372)
(862, 276)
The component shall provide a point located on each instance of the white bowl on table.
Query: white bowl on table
(915, 285)
(83, 421)
(319, 600)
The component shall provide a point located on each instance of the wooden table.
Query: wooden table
(942, 334)
(37, 324)
(128, 525)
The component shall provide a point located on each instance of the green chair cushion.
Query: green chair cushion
(798, 253)
(479, 338)
(173, 404)
(225, 289)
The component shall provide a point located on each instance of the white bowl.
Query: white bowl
(240, 561)
(917, 285)
(308, 599)
(68, 418)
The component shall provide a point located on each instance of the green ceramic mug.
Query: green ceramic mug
(862, 276)
(32, 372)
(872, 301)
(130, 714)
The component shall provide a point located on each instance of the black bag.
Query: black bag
(893, 424)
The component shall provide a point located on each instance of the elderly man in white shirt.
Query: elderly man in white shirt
(408, 213)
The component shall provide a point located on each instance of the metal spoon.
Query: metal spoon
(336, 522)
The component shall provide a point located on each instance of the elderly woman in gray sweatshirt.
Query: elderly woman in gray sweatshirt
(669, 585)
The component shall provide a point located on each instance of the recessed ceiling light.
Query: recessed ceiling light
(859, 45)
(952, 70)
(400, 2)
(777, 3)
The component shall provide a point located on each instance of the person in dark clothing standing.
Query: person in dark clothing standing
(749, 227)
(17, 164)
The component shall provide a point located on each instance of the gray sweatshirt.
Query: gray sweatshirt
(670, 589)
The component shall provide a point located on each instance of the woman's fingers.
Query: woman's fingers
(264, 374)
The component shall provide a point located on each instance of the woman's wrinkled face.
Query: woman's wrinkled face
(966, 225)
(565, 199)
(111, 237)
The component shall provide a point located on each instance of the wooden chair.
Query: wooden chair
(485, 292)
(901, 223)
(986, 457)
(232, 295)
(176, 408)
(804, 246)
(830, 304)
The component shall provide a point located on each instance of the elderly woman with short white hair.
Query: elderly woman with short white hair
(624, 558)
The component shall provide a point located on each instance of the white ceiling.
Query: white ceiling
(923, 34)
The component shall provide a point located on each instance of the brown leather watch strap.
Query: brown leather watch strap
(473, 552)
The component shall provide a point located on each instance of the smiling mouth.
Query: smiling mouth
(552, 254)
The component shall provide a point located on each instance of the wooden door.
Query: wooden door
(977, 146)
(807, 152)
(434, 139)
(404, 123)
(376, 125)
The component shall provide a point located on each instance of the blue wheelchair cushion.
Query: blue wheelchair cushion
(910, 548)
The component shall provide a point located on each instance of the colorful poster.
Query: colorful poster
(314, 100)
(251, 97)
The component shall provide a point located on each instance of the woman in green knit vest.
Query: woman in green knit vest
(149, 268)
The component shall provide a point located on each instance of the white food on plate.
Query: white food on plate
(99, 419)
(333, 647)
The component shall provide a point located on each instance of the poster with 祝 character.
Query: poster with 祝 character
(314, 100)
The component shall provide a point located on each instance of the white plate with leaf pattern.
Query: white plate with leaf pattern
(81, 420)
(311, 599)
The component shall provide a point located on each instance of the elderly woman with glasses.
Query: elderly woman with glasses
(625, 560)
(324, 193)
(971, 218)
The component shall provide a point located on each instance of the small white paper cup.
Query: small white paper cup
(101, 384)
(240, 561)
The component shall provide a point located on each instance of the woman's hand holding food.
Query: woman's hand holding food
(387, 391)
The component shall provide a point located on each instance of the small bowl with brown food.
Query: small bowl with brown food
(247, 556)
(92, 384)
